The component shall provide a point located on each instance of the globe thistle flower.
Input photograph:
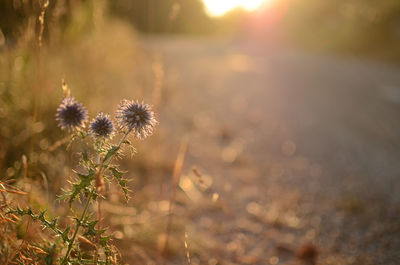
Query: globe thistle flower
(71, 114)
(102, 126)
(136, 117)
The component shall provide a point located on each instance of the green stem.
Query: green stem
(71, 243)
(111, 158)
(96, 256)
(65, 259)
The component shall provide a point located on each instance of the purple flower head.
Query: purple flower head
(102, 126)
(136, 117)
(71, 114)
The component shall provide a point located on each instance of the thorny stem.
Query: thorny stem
(98, 229)
(71, 242)
(104, 164)
(124, 137)
(100, 170)
(118, 146)
(96, 257)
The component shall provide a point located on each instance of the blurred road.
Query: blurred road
(302, 148)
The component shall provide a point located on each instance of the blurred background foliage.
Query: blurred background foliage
(366, 27)
(96, 36)
(78, 38)
(165, 16)
(358, 27)
(96, 54)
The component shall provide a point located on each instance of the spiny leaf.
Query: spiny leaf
(40, 217)
(90, 228)
(85, 161)
(122, 182)
(133, 150)
(64, 235)
(111, 152)
(79, 187)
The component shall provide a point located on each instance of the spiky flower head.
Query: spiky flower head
(102, 126)
(71, 114)
(136, 117)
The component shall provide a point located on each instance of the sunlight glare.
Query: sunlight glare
(221, 7)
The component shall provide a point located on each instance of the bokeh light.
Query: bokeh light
(221, 7)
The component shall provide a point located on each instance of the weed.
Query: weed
(87, 242)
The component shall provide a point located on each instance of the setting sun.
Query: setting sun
(220, 7)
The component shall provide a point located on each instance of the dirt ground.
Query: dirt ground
(298, 153)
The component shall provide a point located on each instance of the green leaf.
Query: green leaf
(39, 217)
(122, 182)
(90, 228)
(111, 152)
(81, 186)
(64, 235)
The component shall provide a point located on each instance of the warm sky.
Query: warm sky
(220, 7)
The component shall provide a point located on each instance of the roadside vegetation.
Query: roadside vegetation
(88, 188)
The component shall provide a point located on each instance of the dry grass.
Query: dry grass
(231, 208)
(96, 63)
